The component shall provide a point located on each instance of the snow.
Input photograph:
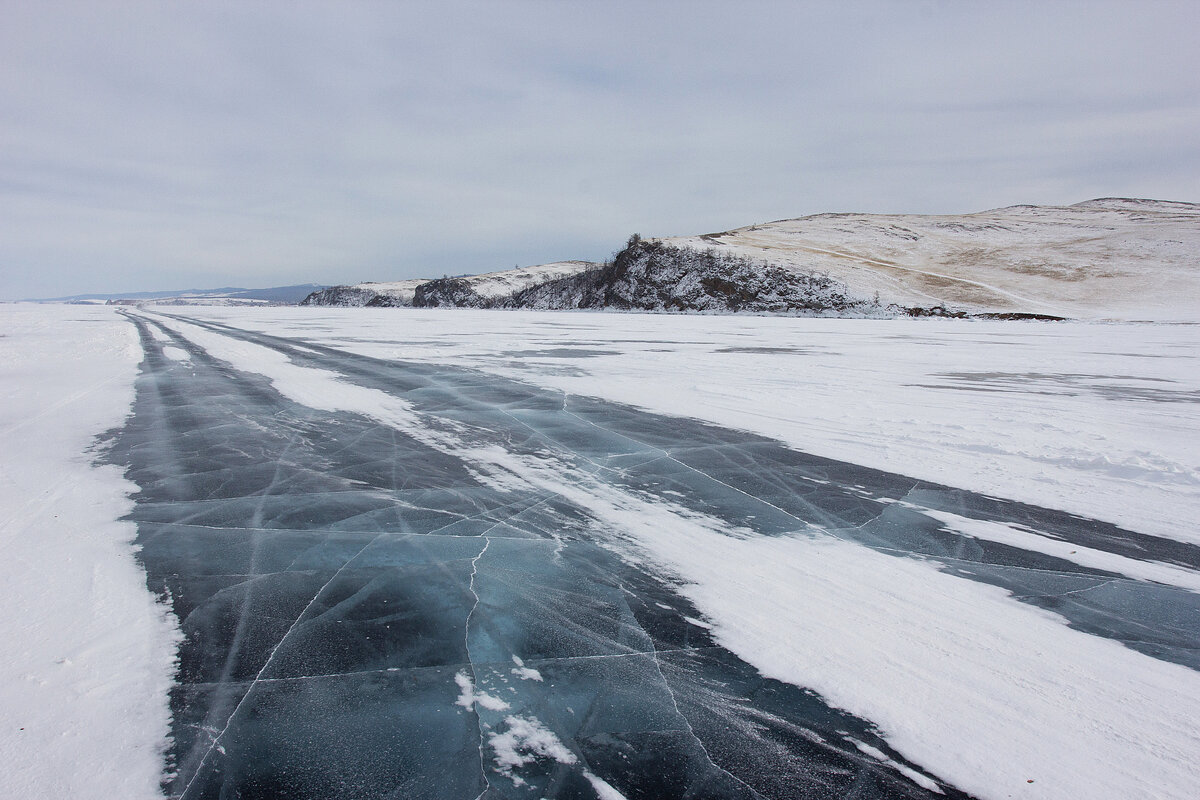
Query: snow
(311, 387)
(988, 693)
(1097, 419)
(327, 391)
(488, 284)
(525, 741)
(908, 772)
(523, 672)
(1077, 554)
(203, 300)
(175, 353)
(603, 790)
(401, 290)
(499, 284)
(89, 655)
(468, 697)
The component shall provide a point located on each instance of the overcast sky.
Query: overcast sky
(197, 144)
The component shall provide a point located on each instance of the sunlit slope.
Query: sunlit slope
(1106, 258)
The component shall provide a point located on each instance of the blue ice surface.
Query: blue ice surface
(336, 580)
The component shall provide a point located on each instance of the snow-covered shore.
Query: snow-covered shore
(88, 654)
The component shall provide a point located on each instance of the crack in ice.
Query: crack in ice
(471, 664)
(258, 677)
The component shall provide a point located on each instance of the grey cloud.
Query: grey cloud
(161, 145)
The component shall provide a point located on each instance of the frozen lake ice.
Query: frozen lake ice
(486, 554)
(405, 578)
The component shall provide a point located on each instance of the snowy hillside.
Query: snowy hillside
(499, 284)
(393, 293)
(1107, 258)
(472, 290)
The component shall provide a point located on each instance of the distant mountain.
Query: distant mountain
(1113, 258)
(280, 295)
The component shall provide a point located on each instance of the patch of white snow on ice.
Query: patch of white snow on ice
(175, 353)
(924, 781)
(525, 673)
(468, 697)
(1032, 541)
(525, 741)
(603, 789)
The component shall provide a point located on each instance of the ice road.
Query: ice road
(403, 579)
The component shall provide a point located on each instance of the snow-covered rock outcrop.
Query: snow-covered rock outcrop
(647, 275)
(472, 291)
(653, 276)
(493, 289)
(394, 293)
(1108, 258)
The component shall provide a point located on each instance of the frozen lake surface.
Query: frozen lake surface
(487, 554)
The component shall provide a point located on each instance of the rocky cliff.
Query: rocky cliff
(653, 276)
